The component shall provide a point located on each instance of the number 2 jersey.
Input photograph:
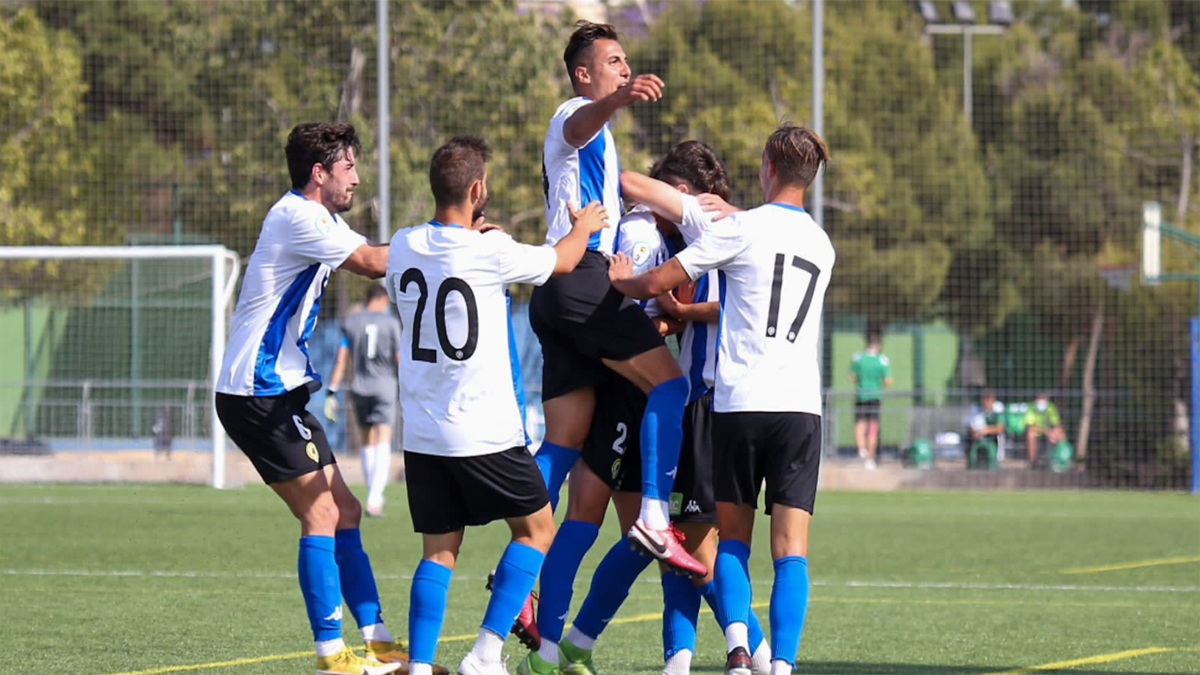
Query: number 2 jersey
(460, 381)
(775, 263)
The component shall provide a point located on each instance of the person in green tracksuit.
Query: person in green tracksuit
(1042, 419)
(870, 371)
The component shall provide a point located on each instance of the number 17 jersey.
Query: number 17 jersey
(460, 386)
(775, 263)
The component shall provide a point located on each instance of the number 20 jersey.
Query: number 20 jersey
(775, 264)
(460, 386)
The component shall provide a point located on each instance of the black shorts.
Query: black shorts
(613, 449)
(866, 410)
(782, 448)
(692, 498)
(446, 494)
(281, 438)
(580, 319)
(373, 410)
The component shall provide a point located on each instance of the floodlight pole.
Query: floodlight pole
(383, 57)
(967, 30)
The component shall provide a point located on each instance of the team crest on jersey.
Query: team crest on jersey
(323, 224)
(311, 451)
(641, 253)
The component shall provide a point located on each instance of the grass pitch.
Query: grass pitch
(149, 580)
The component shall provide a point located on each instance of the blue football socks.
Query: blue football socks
(789, 602)
(681, 610)
(357, 578)
(515, 575)
(571, 543)
(661, 436)
(610, 586)
(318, 572)
(732, 581)
(427, 608)
(754, 627)
(555, 461)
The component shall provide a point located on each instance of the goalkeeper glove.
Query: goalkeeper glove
(331, 406)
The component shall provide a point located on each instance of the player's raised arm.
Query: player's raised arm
(662, 198)
(368, 260)
(599, 71)
(586, 122)
(585, 221)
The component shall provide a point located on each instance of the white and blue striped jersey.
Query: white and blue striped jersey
(698, 341)
(301, 242)
(461, 391)
(643, 243)
(580, 176)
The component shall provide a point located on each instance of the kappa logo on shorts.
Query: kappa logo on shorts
(305, 432)
(311, 451)
(692, 507)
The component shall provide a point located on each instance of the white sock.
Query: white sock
(420, 669)
(577, 638)
(736, 635)
(654, 513)
(781, 667)
(330, 647)
(548, 651)
(381, 469)
(680, 663)
(376, 632)
(761, 658)
(487, 646)
(862, 452)
(368, 463)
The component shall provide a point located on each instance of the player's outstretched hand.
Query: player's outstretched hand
(716, 206)
(593, 217)
(620, 266)
(331, 407)
(640, 88)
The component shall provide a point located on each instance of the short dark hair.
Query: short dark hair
(696, 163)
(585, 34)
(455, 165)
(797, 153)
(374, 292)
(874, 335)
(313, 143)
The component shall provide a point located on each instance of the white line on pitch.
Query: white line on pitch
(948, 585)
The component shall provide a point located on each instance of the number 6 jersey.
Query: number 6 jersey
(774, 264)
(460, 386)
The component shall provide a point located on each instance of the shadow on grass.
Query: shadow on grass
(856, 668)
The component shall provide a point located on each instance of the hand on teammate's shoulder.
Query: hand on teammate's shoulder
(715, 205)
(593, 217)
(483, 226)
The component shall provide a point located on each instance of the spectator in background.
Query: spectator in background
(1042, 420)
(870, 371)
(987, 424)
(371, 337)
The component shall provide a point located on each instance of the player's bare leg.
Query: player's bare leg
(872, 442)
(568, 418)
(657, 374)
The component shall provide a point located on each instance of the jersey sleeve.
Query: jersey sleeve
(559, 122)
(716, 246)
(520, 263)
(887, 365)
(695, 219)
(323, 238)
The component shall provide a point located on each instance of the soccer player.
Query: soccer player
(585, 328)
(870, 372)
(610, 464)
(464, 436)
(373, 337)
(266, 380)
(776, 263)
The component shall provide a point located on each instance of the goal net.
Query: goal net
(113, 349)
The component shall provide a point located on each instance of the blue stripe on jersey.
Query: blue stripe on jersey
(721, 285)
(514, 358)
(309, 324)
(266, 380)
(699, 346)
(790, 207)
(345, 342)
(591, 178)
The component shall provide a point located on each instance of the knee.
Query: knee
(674, 389)
(349, 513)
(323, 515)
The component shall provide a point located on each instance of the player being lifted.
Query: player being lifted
(585, 328)
(610, 463)
(464, 437)
(266, 379)
(371, 337)
(776, 262)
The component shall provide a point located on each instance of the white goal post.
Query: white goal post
(42, 278)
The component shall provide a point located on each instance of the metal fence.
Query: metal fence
(985, 194)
